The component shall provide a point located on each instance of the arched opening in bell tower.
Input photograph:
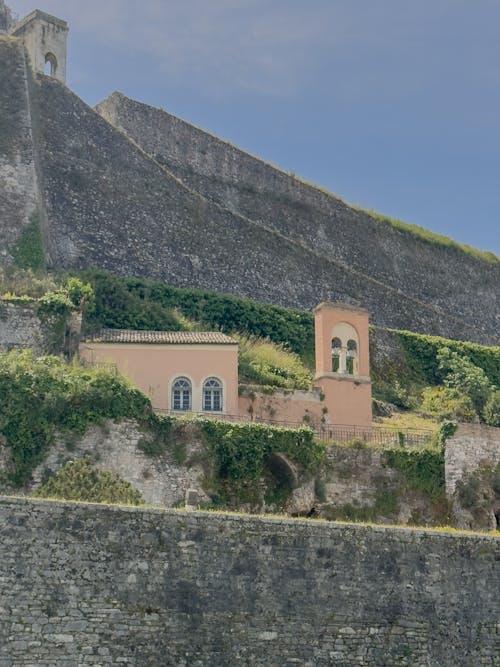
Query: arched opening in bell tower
(50, 65)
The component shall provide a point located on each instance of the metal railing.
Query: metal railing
(328, 432)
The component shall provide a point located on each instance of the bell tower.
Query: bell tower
(44, 37)
(343, 362)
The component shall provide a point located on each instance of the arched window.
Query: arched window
(352, 357)
(336, 347)
(181, 395)
(212, 395)
(50, 64)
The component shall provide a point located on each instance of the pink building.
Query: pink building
(198, 371)
(179, 370)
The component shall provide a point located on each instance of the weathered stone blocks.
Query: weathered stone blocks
(88, 584)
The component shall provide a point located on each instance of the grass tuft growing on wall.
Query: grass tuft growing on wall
(431, 237)
(28, 251)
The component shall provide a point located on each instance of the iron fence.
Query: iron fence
(387, 437)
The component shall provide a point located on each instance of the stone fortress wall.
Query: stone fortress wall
(369, 261)
(221, 220)
(18, 181)
(104, 585)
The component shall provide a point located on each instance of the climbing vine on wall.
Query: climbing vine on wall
(28, 251)
(422, 354)
(144, 304)
(240, 450)
(423, 469)
(42, 395)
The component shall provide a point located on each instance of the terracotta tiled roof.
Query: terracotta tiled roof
(164, 337)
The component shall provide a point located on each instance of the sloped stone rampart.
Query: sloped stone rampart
(100, 585)
(405, 281)
(18, 189)
(160, 199)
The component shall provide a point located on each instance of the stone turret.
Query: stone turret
(6, 20)
(44, 37)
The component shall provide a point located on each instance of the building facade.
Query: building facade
(180, 371)
(186, 371)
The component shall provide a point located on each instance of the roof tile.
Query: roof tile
(160, 337)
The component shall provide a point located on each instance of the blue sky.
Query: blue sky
(393, 105)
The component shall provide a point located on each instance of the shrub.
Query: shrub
(266, 363)
(55, 302)
(393, 392)
(40, 395)
(463, 375)
(80, 294)
(240, 450)
(80, 480)
(491, 412)
(447, 403)
(423, 468)
(72, 295)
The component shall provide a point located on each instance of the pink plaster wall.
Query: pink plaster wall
(326, 316)
(348, 400)
(154, 367)
(347, 397)
(282, 407)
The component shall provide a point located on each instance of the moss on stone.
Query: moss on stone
(28, 251)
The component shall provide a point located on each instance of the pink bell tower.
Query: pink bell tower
(343, 362)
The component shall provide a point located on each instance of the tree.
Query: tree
(460, 373)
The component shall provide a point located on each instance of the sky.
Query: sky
(393, 105)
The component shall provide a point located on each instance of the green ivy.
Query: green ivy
(144, 304)
(42, 395)
(28, 251)
(422, 356)
(241, 450)
(423, 469)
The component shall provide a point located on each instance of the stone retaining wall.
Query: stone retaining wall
(472, 446)
(101, 585)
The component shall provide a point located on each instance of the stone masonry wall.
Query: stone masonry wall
(472, 446)
(21, 327)
(179, 206)
(440, 289)
(354, 483)
(113, 207)
(359, 484)
(101, 585)
(114, 447)
(18, 190)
